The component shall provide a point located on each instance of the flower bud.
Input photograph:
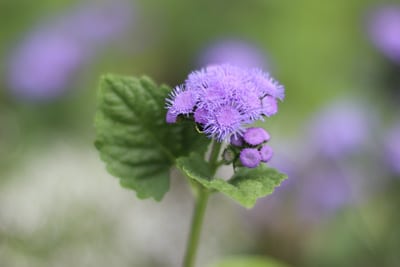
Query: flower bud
(250, 157)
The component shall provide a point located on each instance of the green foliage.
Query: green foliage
(245, 186)
(134, 140)
(248, 261)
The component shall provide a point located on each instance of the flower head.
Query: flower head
(224, 98)
(181, 101)
(223, 122)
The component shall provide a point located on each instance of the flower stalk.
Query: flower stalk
(200, 209)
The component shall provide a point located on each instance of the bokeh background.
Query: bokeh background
(337, 133)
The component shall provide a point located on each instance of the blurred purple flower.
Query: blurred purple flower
(392, 149)
(341, 128)
(384, 30)
(235, 52)
(42, 67)
(99, 22)
(323, 192)
(48, 59)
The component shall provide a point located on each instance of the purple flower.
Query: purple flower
(392, 149)
(268, 85)
(323, 192)
(266, 153)
(100, 22)
(236, 52)
(45, 64)
(181, 101)
(224, 98)
(342, 128)
(255, 136)
(384, 30)
(250, 157)
(223, 122)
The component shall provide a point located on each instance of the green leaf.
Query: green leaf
(134, 140)
(248, 261)
(245, 186)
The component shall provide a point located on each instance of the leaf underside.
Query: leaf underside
(245, 186)
(133, 138)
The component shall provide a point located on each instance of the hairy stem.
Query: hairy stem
(199, 210)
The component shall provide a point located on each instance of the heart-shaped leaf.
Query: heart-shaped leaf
(134, 140)
(245, 186)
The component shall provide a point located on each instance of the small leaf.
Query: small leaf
(248, 261)
(245, 186)
(134, 140)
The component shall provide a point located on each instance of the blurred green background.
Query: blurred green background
(335, 133)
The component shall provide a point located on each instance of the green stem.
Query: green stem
(213, 160)
(199, 210)
(195, 230)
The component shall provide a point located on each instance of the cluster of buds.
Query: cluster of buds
(249, 149)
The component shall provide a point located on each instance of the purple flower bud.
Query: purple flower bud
(250, 157)
(256, 136)
(228, 156)
(237, 140)
(266, 153)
